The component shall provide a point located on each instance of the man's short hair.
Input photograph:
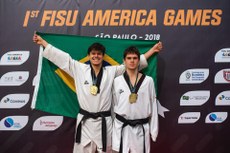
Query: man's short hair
(97, 47)
(131, 50)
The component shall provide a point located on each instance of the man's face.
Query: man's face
(131, 61)
(96, 57)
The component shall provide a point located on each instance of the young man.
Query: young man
(135, 108)
(94, 84)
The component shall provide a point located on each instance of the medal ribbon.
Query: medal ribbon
(96, 79)
(131, 87)
(135, 88)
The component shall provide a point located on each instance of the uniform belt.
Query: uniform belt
(87, 115)
(133, 123)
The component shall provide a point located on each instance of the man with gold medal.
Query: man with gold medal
(135, 108)
(93, 84)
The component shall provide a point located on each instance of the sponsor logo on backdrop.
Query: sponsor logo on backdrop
(15, 78)
(194, 76)
(223, 76)
(223, 98)
(223, 56)
(14, 100)
(13, 123)
(47, 123)
(189, 118)
(14, 58)
(216, 117)
(227, 75)
(195, 98)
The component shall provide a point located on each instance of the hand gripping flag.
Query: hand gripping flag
(55, 90)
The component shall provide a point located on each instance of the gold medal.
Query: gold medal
(132, 98)
(93, 90)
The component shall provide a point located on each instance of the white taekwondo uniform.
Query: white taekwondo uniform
(144, 107)
(91, 129)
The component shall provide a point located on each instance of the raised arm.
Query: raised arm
(38, 40)
(57, 56)
(155, 49)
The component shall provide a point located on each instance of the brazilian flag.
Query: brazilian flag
(54, 89)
